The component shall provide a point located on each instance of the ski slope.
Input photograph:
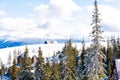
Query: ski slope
(47, 49)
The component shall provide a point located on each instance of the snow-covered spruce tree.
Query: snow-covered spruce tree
(25, 67)
(118, 42)
(82, 54)
(39, 66)
(62, 67)
(94, 61)
(81, 57)
(64, 70)
(115, 47)
(109, 56)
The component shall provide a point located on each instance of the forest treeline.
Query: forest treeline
(93, 63)
(68, 64)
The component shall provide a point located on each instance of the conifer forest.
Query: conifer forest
(93, 62)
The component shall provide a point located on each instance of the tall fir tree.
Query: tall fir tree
(71, 53)
(115, 47)
(39, 66)
(2, 71)
(109, 59)
(80, 66)
(118, 42)
(47, 70)
(79, 69)
(25, 67)
(55, 75)
(65, 72)
(94, 63)
(63, 67)
(83, 54)
(13, 71)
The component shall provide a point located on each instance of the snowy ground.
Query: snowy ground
(4, 78)
(47, 49)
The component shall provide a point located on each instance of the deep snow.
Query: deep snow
(47, 49)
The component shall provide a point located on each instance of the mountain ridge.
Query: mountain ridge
(4, 43)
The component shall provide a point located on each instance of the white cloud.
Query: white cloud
(56, 15)
(2, 13)
(65, 8)
(56, 11)
(109, 0)
(59, 19)
(110, 17)
(54, 20)
(58, 8)
(17, 24)
(15, 28)
(31, 15)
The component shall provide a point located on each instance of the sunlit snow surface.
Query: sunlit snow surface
(4, 78)
(47, 49)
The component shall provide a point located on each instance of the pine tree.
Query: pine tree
(65, 72)
(115, 47)
(2, 71)
(103, 49)
(15, 54)
(80, 66)
(83, 55)
(71, 53)
(109, 59)
(118, 42)
(62, 67)
(55, 69)
(25, 73)
(79, 69)
(94, 62)
(39, 66)
(47, 70)
(13, 71)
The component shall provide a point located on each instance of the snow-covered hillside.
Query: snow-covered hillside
(4, 43)
(47, 49)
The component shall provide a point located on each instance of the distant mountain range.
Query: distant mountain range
(4, 43)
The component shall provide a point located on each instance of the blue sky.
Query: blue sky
(56, 18)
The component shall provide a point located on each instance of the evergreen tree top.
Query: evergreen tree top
(40, 52)
(14, 62)
(95, 2)
(96, 30)
(26, 49)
